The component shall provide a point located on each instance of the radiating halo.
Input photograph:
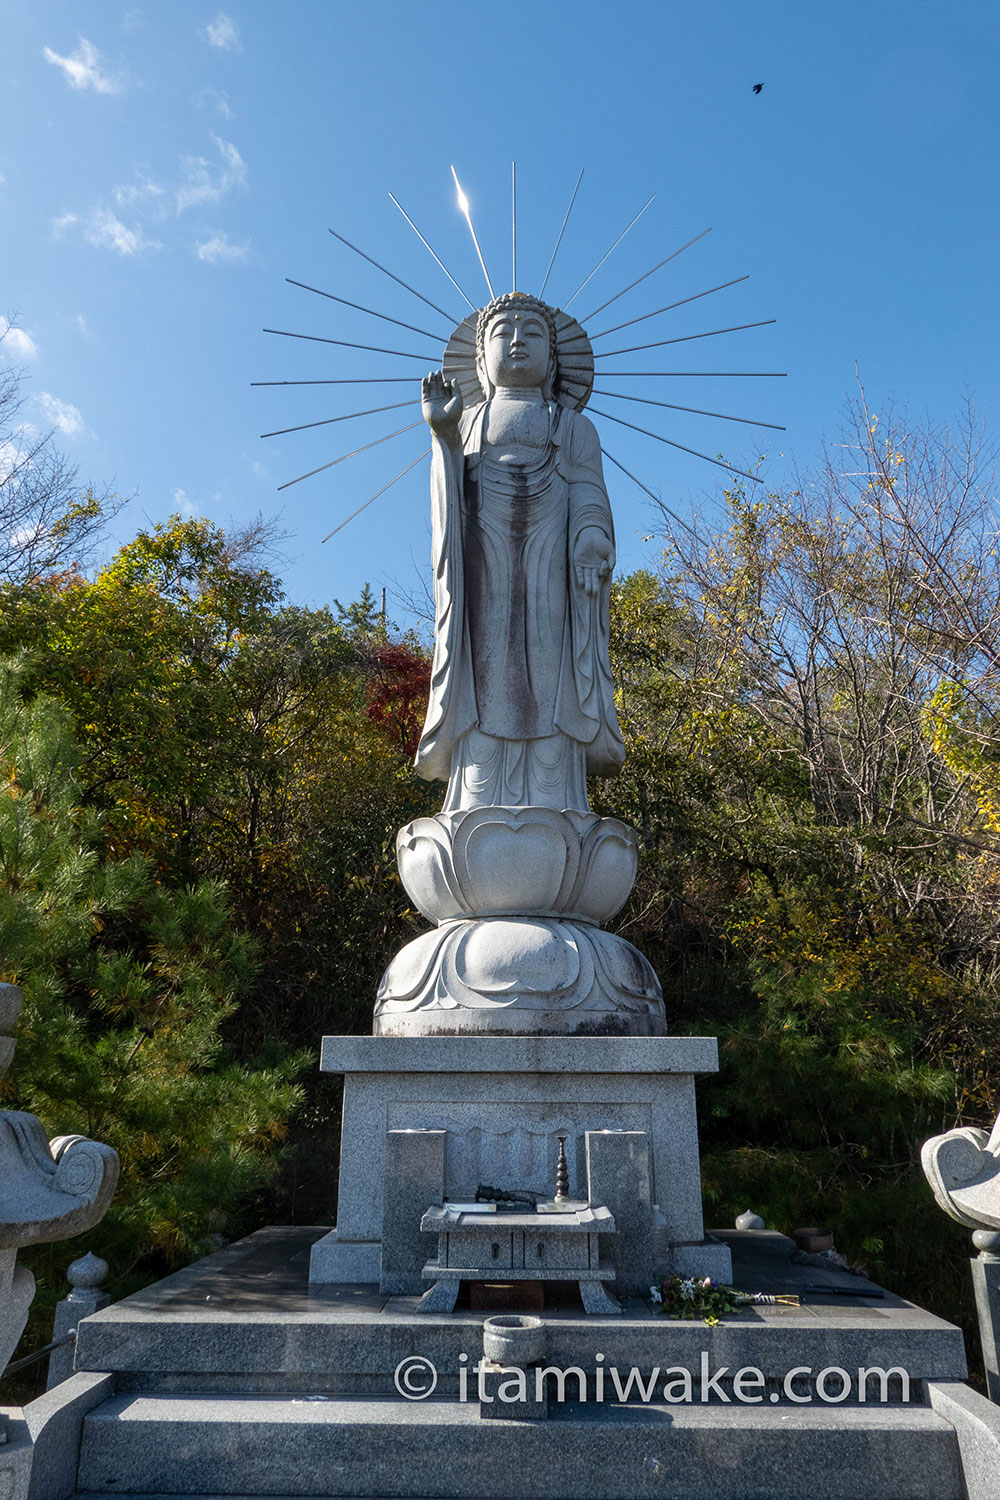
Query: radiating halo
(575, 355)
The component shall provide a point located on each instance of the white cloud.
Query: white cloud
(141, 193)
(83, 69)
(184, 504)
(61, 415)
(82, 325)
(104, 229)
(222, 32)
(123, 221)
(220, 247)
(17, 343)
(202, 186)
(11, 454)
(215, 99)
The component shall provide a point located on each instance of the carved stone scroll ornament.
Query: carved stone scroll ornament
(49, 1190)
(963, 1169)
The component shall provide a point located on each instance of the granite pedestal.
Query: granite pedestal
(502, 1103)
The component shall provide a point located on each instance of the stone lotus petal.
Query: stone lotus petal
(518, 894)
(414, 976)
(515, 860)
(499, 959)
(426, 868)
(608, 864)
(519, 976)
(622, 969)
(509, 861)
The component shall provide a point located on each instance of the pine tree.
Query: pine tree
(127, 985)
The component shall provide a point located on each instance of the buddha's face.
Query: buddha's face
(516, 349)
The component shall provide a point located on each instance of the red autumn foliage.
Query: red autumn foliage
(398, 684)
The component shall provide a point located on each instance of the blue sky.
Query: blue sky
(164, 168)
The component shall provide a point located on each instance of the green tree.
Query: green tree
(127, 986)
(232, 737)
(777, 762)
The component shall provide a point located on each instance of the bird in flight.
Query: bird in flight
(757, 87)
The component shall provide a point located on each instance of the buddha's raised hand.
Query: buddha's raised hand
(441, 404)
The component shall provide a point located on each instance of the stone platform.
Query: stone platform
(248, 1318)
(236, 1378)
(502, 1103)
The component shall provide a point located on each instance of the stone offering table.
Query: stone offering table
(518, 1247)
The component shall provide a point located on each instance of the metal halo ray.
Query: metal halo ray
(607, 252)
(646, 274)
(347, 380)
(668, 308)
(695, 410)
(376, 495)
(562, 231)
(314, 338)
(720, 463)
(576, 354)
(391, 274)
(359, 308)
(433, 252)
(353, 454)
(463, 204)
(686, 338)
(348, 417)
(657, 498)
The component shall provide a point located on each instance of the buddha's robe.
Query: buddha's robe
(521, 703)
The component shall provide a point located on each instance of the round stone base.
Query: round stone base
(519, 976)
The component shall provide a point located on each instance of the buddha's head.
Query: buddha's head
(516, 345)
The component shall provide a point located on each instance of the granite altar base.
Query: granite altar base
(502, 1103)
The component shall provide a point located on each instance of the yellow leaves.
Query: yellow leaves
(966, 740)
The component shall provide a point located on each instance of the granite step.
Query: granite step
(255, 1446)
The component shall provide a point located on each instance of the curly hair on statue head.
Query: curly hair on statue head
(520, 302)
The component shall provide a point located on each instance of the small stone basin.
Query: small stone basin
(514, 1340)
(814, 1240)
